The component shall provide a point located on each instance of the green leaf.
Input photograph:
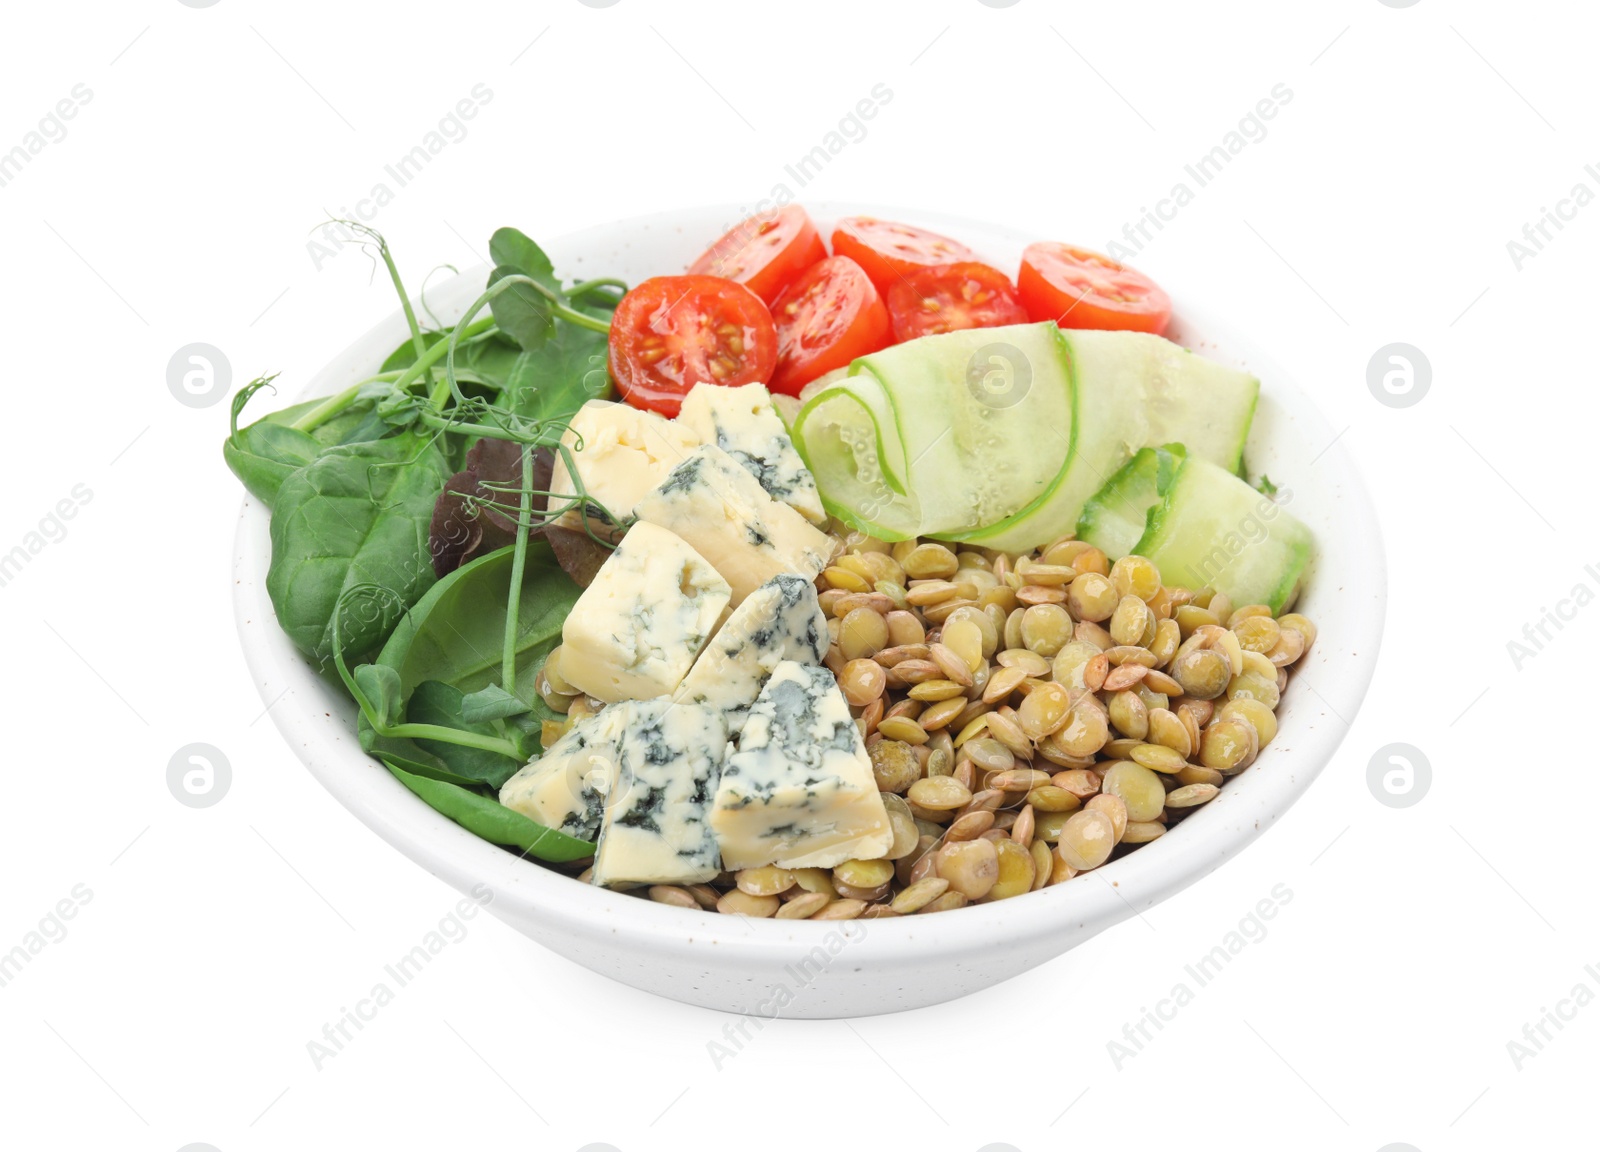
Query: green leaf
(381, 687)
(392, 407)
(521, 311)
(265, 454)
(554, 381)
(358, 514)
(522, 381)
(402, 754)
(493, 821)
(435, 702)
(509, 248)
(454, 636)
(491, 703)
(491, 357)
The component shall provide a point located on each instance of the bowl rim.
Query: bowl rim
(526, 891)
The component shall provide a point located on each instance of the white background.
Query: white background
(217, 942)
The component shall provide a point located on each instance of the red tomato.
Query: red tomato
(888, 251)
(765, 253)
(827, 318)
(952, 296)
(1078, 288)
(673, 332)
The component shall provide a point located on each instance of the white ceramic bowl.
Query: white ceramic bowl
(802, 969)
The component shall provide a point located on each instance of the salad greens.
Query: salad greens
(414, 549)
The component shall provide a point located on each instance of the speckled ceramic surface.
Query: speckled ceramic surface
(803, 969)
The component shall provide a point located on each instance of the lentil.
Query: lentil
(741, 903)
(802, 907)
(902, 728)
(1086, 840)
(1114, 807)
(768, 880)
(1015, 870)
(972, 867)
(939, 793)
(1138, 787)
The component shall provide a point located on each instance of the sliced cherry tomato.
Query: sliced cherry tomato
(766, 253)
(888, 251)
(827, 318)
(1078, 288)
(952, 296)
(673, 332)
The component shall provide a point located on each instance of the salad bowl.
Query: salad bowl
(796, 968)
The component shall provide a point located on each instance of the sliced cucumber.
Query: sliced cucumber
(1000, 437)
(1116, 516)
(985, 419)
(1131, 390)
(1211, 529)
(823, 383)
(964, 428)
(849, 440)
(1198, 402)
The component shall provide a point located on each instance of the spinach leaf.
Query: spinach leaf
(357, 514)
(455, 633)
(446, 651)
(435, 702)
(493, 821)
(454, 638)
(264, 454)
(552, 382)
(491, 357)
(491, 703)
(402, 754)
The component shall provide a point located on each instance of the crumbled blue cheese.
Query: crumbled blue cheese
(565, 788)
(779, 621)
(636, 630)
(724, 514)
(744, 424)
(799, 792)
(656, 828)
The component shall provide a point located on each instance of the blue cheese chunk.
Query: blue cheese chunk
(779, 621)
(566, 788)
(621, 453)
(726, 516)
(637, 629)
(799, 792)
(656, 828)
(744, 424)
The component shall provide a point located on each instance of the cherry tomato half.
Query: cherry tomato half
(673, 332)
(827, 318)
(766, 253)
(888, 251)
(952, 296)
(1078, 288)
